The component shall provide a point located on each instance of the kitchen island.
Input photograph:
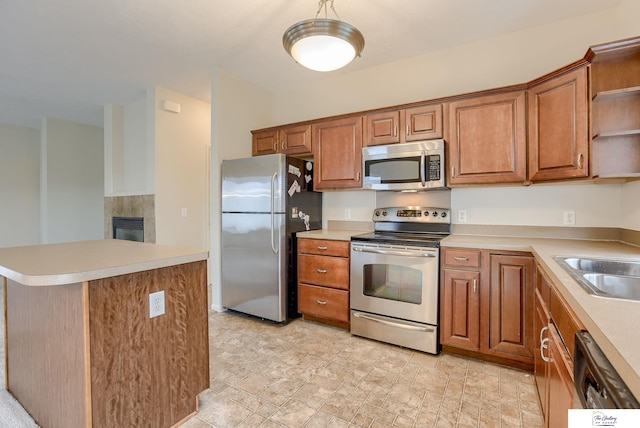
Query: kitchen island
(81, 347)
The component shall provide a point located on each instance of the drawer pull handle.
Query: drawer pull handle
(321, 270)
(461, 259)
(321, 302)
(322, 247)
(475, 286)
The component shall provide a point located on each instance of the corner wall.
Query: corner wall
(72, 182)
(19, 186)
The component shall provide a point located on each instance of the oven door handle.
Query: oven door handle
(393, 324)
(395, 252)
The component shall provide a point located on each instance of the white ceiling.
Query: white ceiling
(68, 58)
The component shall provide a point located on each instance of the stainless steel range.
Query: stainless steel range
(395, 277)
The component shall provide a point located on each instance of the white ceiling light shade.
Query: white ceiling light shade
(323, 44)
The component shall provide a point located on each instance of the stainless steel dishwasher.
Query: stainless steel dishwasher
(597, 384)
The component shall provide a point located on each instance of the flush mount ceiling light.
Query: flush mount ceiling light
(323, 44)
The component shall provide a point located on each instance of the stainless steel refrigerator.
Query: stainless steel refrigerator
(265, 201)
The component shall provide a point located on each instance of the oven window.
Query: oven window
(393, 282)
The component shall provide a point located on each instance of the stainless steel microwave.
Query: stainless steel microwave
(417, 165)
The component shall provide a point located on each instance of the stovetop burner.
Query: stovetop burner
(419, 226)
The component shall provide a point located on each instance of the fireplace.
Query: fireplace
(128, 228)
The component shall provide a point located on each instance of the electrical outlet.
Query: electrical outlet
(156, 304)
(569, 218)
(347, 214)
(462, 216)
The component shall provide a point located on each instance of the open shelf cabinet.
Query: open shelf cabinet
(615, 109)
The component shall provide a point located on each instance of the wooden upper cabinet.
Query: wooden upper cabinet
(295, 140)
(487, 139)
(558, 127)
(290, 140)
(264, 143)
(399, 126)
(337, 151)
(422, 123)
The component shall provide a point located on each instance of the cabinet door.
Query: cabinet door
(461, 309)
(487, 139)
(560, 382)
(382, 128)
(265, 143)
(337, 150)
(541, 351)
(558, 133)
(422, 123)
(296, 140)
(511, 305)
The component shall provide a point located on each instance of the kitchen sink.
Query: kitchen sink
(604, 277)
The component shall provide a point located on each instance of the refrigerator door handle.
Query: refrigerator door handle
(274, 248)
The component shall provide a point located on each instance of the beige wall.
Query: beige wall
(71, 182)
(19, 186)
(181, 169)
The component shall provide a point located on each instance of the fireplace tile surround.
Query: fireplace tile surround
(131, 206)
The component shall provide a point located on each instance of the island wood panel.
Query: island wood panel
(47, 352)
(148, 372)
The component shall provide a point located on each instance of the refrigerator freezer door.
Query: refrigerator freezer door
(254, 272)
(248, 184)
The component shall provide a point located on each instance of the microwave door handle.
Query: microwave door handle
(423, 179)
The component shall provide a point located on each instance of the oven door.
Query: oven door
(399, 282)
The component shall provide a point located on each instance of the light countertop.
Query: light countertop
(331, 234)
(66, 263)
(612, 322)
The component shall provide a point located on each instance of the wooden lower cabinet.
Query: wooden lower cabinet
(461, 304)
(555, 329)
(511, 301)
(559, 382)
(323, 281)
(487, 305)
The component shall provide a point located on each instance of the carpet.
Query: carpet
(12, 414)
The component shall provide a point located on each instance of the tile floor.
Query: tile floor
(310, 375)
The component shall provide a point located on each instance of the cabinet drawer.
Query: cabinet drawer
(323, 247)
(462, 258)
(323, 302)
(564, 321)
(321, 270)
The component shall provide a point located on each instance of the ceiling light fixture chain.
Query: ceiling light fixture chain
(323, 4)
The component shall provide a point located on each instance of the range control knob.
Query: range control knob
(384, 213)
(426, 213)
(377, 213)
(444, 214)
(435, 213)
